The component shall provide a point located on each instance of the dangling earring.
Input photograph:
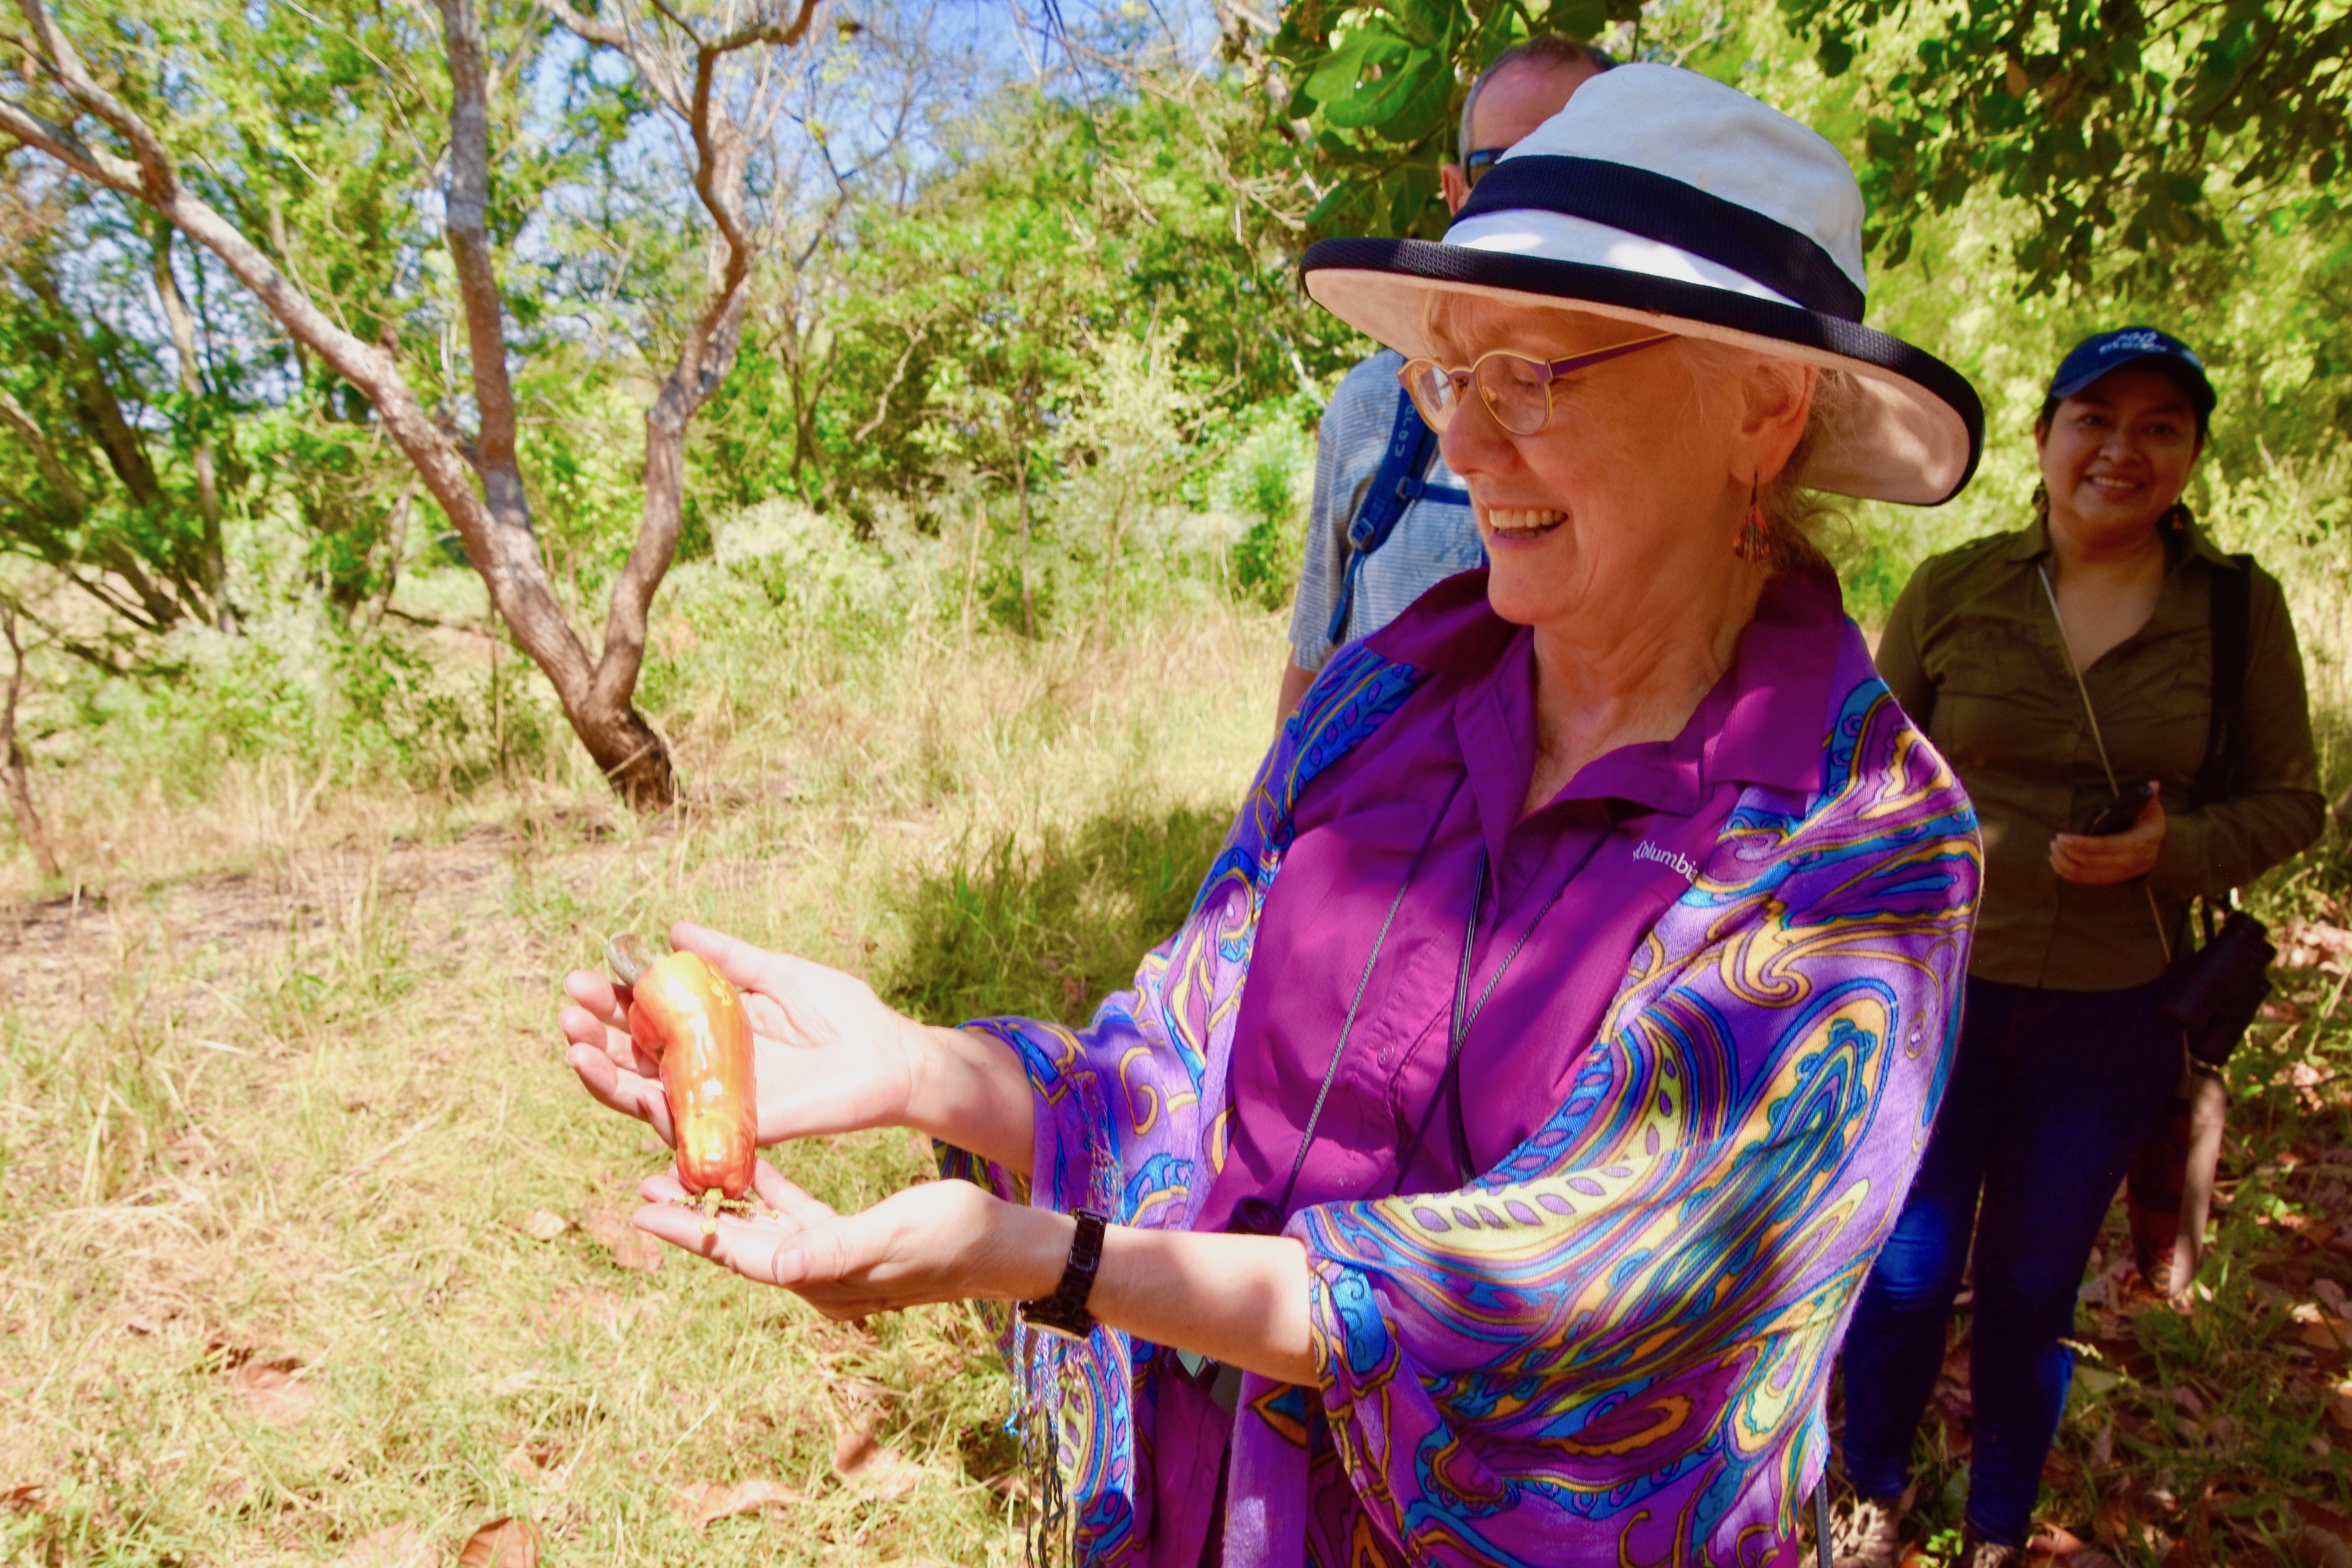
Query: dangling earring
(1755, 542)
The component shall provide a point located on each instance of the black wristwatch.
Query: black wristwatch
(1065, 1312)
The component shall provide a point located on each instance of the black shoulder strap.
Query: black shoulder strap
(2231, 610)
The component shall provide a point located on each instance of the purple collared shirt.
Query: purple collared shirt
(1590, 872)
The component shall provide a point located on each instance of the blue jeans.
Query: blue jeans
(2051, 1093)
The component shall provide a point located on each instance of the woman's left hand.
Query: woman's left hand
(2116, 857)
(934, 1241)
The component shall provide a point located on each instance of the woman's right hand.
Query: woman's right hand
(828, 1055)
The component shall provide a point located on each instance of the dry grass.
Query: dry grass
(286, 1129)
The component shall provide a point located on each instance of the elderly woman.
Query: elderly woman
(1483, 1172)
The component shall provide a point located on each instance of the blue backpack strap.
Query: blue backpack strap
(1396, 484)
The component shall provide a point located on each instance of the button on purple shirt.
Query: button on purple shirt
(1451, 769)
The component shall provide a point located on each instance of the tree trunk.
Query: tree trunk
(16, 766)
(395, 546)
(1020, 507)
(213, 564)
(495, 522)
(596, 695)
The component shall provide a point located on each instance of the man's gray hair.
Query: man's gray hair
(1549, 50)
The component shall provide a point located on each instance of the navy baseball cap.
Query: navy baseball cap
(2095, 356)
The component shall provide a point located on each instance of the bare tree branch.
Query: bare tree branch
(724, 119)
(657, 69)
(183, 325)
(890, 388)
(45, 457)
(13, 759)
(501, 548)
(721, 157)
(493, 452)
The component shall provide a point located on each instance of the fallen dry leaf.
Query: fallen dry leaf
(269, 1392)
(2321, 1330)
(2324, 1518)
(2055, 1542)
(33, 1499)
(400, 1546)
(869, 1467)
(2320, 1548)
(501, 1544)
(537, 1462)
(542, 1225)
(702, 1501)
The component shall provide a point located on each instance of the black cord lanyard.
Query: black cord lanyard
(1348, 1025)
(1462, 1015)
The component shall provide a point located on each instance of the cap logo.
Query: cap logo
(2135, 343)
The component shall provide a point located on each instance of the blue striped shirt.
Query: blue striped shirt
(1431, 541)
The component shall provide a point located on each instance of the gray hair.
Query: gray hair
(1552, 51)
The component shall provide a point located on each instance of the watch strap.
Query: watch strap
(1065, 1312)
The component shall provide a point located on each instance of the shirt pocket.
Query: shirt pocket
(2004, 702)
(2155, 706)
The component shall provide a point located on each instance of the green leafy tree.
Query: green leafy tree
(108, 471)
(966, 325)
(2149, 132)
(1376, 91)
(716, 77)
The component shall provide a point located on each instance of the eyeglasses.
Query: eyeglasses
(1478, 161)
(1516, 387)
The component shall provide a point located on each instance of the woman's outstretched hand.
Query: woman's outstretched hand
(829, 1056)
(936, 1242)
(2115, 857)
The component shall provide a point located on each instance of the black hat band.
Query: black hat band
(1660, 207)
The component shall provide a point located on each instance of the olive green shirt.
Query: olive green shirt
(1972, 651)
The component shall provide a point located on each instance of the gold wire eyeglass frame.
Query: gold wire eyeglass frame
(1544, 372)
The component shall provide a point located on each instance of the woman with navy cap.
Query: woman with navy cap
(1484, 1170)
(2062, 670)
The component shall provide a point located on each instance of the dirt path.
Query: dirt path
(192, 943)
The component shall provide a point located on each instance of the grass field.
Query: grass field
(307, 1236)
(310, 1247)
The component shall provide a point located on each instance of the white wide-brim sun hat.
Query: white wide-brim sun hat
(1673, 203)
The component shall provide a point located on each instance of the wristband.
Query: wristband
(1065, 1312)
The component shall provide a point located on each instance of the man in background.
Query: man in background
(1373, 549)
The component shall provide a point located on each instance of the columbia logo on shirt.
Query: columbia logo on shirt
(1646, 850)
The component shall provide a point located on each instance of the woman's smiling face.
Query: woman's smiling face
(1629, 486)
(2116, 454)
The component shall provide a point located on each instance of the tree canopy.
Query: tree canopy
(916, 258)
